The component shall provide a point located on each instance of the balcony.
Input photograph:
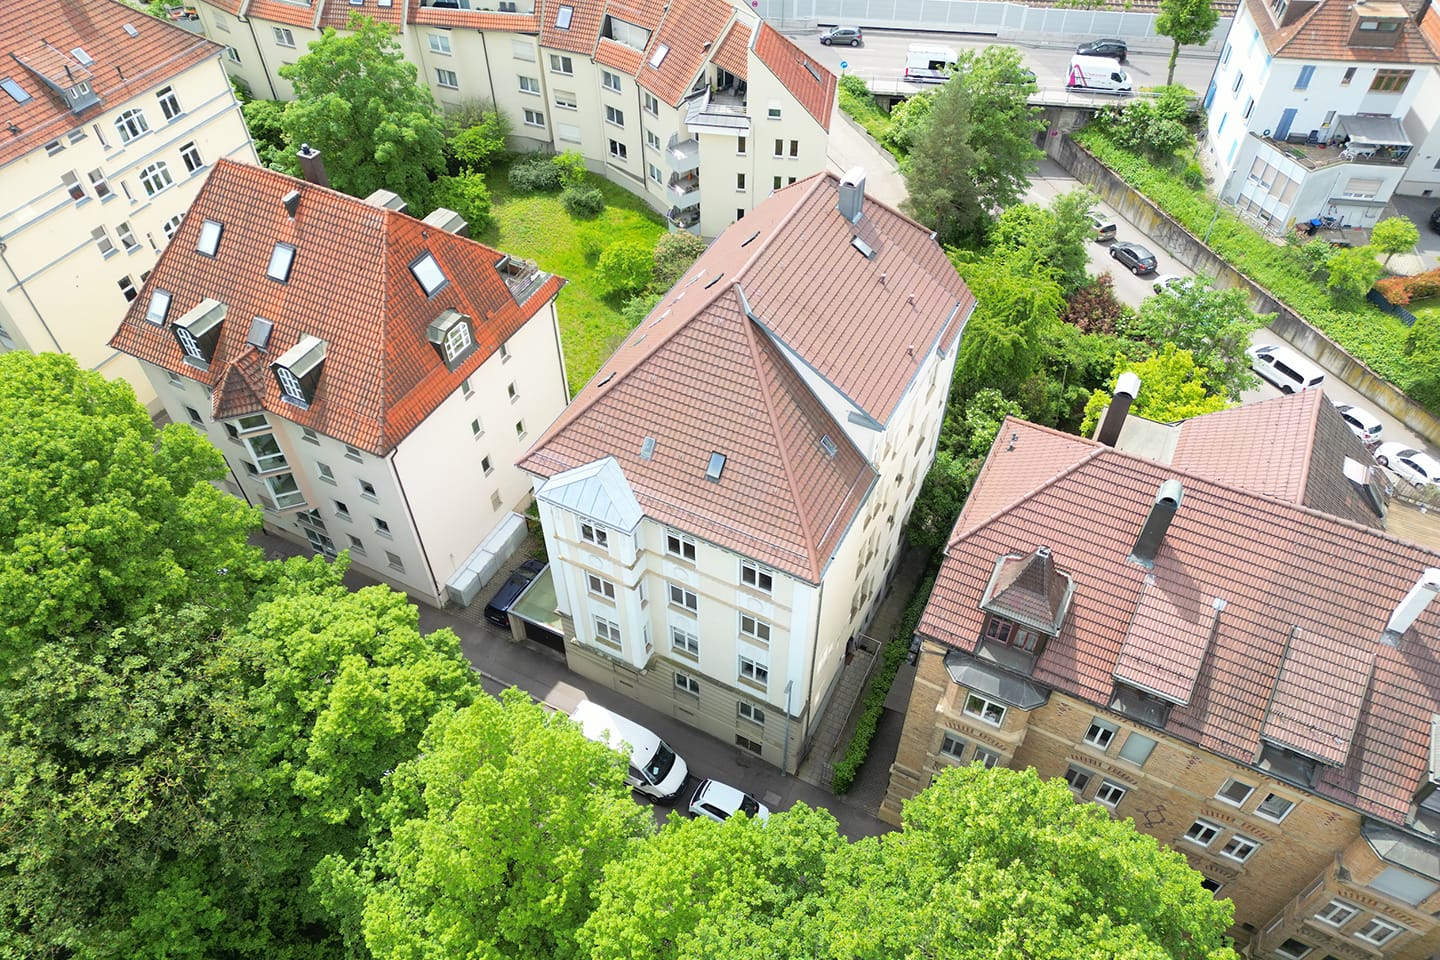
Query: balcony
(684, 155)
(687, 220)
(684, 190)
(719, 111)
(1355, 139)
(522, 277)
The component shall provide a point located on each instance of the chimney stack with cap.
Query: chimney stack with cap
(852, 194)
(1127, 388)
(312, 167)
(1152, 534)
(1410, 608)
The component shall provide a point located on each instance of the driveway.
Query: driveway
(1418, 210)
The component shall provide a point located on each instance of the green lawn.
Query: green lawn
(536, 226)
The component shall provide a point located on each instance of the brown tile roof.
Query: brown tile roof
(734, 51)
(689, 30)
(1306, 599)
(476, 19)
(1430, 29)
(231, 7)
(47, 32)
(336, 13)
(350, 286)
(700, 375)
(1290, 447)
(608, 53)
(584, 29)
(1323, 33)
(793, 67)
(296, 15)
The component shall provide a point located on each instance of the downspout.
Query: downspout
(785, 752)
(485, 49)
(26, 293)
(261, 54)
(439, 599)
(814, 652)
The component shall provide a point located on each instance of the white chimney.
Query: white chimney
(1127, 388)
(1414, 604)
(852, 194)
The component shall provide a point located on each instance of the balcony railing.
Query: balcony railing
(684, 155)
(685, 191)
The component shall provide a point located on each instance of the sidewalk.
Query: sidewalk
(851, 146)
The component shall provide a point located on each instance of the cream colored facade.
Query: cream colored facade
(74, 256)
(256, 49)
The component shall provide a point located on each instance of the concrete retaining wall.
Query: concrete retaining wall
(1191, 251)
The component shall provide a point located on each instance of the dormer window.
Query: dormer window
(198, 331)
(998, 630)
(209, 240)
(298, 371)
(452, 336)
(281, 259)
(428, 274)
(1372, 31)
(1288, 765)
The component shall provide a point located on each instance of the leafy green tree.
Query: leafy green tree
(467, 195)
(908, 120)
(1005, 338)
(625, 267)
(477, 136)
(358, 102)
(1394, 235)
(1172, 388)
(965, 440)
(1213, 325)
(104, 518)
(1353, 271)
(675, 252)
(1186, 23)
(1053, 240)
(571, 165)
(491, 842)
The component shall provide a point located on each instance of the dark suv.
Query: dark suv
(850, 35)
(1116, 49)
(497, 611)
(1134, 257)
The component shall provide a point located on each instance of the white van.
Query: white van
(1098, 74)
(927, 64)
(1285, 368)
(655, 770)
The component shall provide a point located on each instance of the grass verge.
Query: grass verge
(866, 112)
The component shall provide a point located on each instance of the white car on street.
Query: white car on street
(719, 802)
(1409, 464)
(1361, 422)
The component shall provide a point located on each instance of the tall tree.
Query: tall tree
(357, 101)
(1005, 338)
(1394, 235)
(1172, 388)
(939, 182)
(1214, 325)
(1049, 240)
(1185, 22)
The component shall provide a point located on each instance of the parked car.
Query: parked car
(1417, 467)
(497, 611)
(1101, 226)
(1435, 219)
(1169, 282)
(851, 35)
(1361, 422)
(653, 769)
(1134, 257)
(720, 802)
(1109, 47)
(1285, 368)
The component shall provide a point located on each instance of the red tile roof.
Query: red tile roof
(734, 51)
(705, 372)
(584, 30)
(1323, 33)
(350, 286)
(689, 30)
(296, 15)
(336, 13)
(476, 19)
(807, 80)
(231, 7)
(627, 60)
(45, 33)
(1306, 599)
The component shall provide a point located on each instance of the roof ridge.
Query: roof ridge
(1307, 460)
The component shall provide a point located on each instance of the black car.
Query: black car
(850, 35)
(1435, 220)
(497, 611)
(1116, 49)
(1136, 258)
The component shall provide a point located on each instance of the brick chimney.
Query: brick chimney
(312, 167)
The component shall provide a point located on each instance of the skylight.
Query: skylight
(159, 306)
(865, 249)
(716, 467)
(17, 92)
(428, 274)
(259, 335)
(84, 58)
(658, 57)
(562, 17)
(209, 240)
(281, 259)
(828, 445)
(714, 280)
(647, 448)
(130, 29)
(750, 239)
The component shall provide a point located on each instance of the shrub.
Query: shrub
(583, 202)
(625, 267)
(468, 196)
(479, 138)
(571, 165)
(1403, 290)
(536, 174)
(674, 253)
(908, 121)
(854, 86)
(1094, 308)
(1353, 272)
(592, 241)
(1193, 175)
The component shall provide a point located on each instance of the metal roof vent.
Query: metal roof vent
(259, 335)
(291, 201)
(1152, 534)
(867, 251)
(647, 449)
(715, 468)
(1408, 610)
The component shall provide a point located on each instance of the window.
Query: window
(565, 101)
(428, 274)
(610, 81)
(1137, 749)
(600, 587)
(282, 258)
(618, 151)
(72, 185)
(127, 236)
(466, 390)
(99, 184)
(440, 43)
(655, 173)
(1249, 108)
(681, 597)
(495, 500)
(986, 758)
(529, 85)
(393, 559)
(745, 743)
(652, 105)
(367, 490)
(127, 287)
(356, 543)
(651, 140)
(740, 146)
(155, 178)
(776, 184)
(209, 240)
(794, 148)
(232, 54)
(1349, 75)
(1078, 778)
(561, 65)
(607, 632)
(1202, 832)
(615, 116)
(1235, 791)
(562, 17)
(679, 545)
(1109, 793)
(684, 642)
(1293, 949)
(1011, 635)
(1377, 931)
(754, 629)
(596, 535)
(1391, 81)
(739, 181)
(779, 148)
(1212, 885)
(351, 453)
(752, 671)
(754, 575)
(534, 118)
(102, 240)
(195, 417)
(1337, 913)
(447, 78)
(986, 710)
(520, 429)
(342, 509)
(326, 473)
(169, 104)
(1100, 733)
(1274, 807)
(381, 527)
(748, 711)
(687, 684)
(1239, 79)
(172, 225)
(773, 111)
(53, 147)
(1240, 848)
(131, 124)
(159, 306)
(283, 36)
(952, 746)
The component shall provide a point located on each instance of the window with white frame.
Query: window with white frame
(982, 709)
(530, 85)
(1202, 832)
(748, 711)
(393, 559)
(1234, 791)
(610, 81)
(440, 43)
(562, 65)
(73, 186)
(126, 236)
(1006, 633)
(367, 490)
(1240, 848)
(656, 173)
(131, 124)
(615, 115)
(283, 36)
(156, 177)
(590, 533)
(172, 225)
(753, 671)
(684, 642)
(600, 587)
(756, 576)
(1100, 734)
(1078, 778)
(687, 684)
(101, 236)
(1377, 931)
(351, 453)
(356, 544)
(952, 746)
(534, 118)
(679, 545)
(457, 341)
(986, 758)
(99, 184)
(1109, 793)
(681, 597)
(382, 527)
(447, 78)
(652, 140)
(1293, 949)
(755, 629)
(127, 287)
(618, 150)
(1274, 807)
(607, 631)
(169, 103)
(520, 429)
(652, 105)
(565, 101)
(1337, 913)
(326, 473)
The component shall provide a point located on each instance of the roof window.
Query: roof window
(428, 274)
(828, 445)
(209, 240)
(750, 239)
(84, 58)
(658, 57)
(715, 468)
(647, 448)
(159, 306)
(259, 335)
(867, 251)
(562, 17)
(714, 280)
(281, 260)
(130, 29)
(12, 87)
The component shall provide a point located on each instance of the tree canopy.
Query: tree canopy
(357, 101)
(1185, 22)
(1172, 388)
(1213, 325)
